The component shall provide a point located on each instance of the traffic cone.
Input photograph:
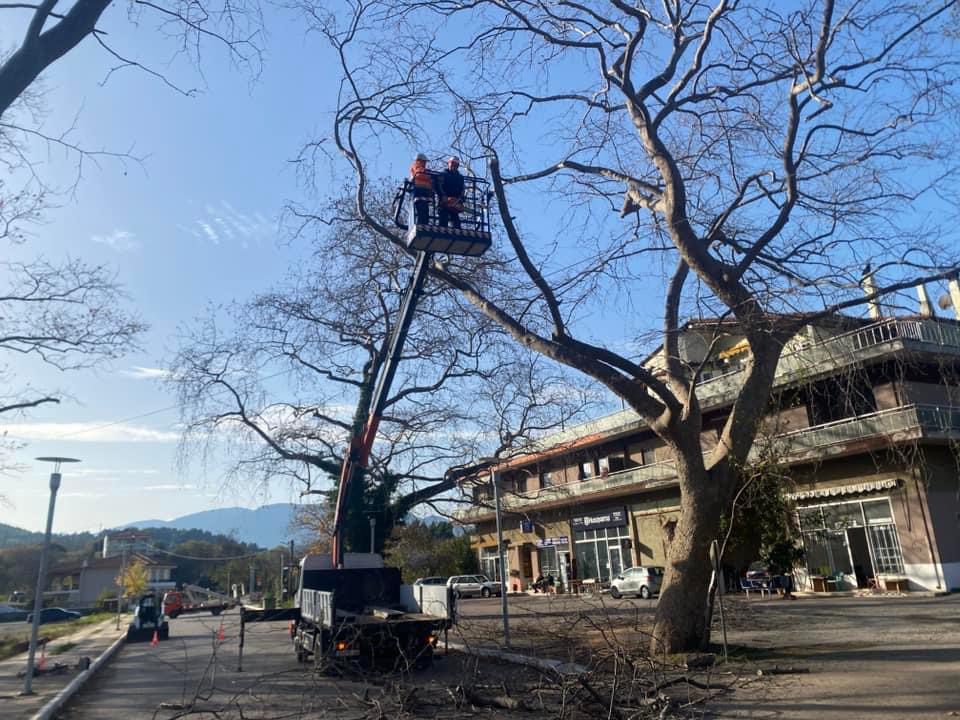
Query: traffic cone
(156, 639)
(220, 634)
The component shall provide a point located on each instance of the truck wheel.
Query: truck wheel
(164, 632)
(614, 593)
(645, 592)
(130, 635)
(485, 592)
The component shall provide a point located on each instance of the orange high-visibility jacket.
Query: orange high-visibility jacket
(422, 179)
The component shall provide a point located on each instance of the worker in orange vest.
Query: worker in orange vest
(423, 190)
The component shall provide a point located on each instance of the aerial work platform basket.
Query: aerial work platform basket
(472, 238)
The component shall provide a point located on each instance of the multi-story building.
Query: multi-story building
(864, 421)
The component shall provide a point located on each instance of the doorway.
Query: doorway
(860, 555)
(616, 562)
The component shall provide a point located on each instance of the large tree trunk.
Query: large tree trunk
(681, 622)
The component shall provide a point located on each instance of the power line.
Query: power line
(193, 557)
(113, 423)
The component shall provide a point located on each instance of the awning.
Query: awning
(858, 489)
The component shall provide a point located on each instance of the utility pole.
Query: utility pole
(42, 574)
(495, 479)
(373, 534)
(123, 569)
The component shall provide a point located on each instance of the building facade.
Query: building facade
(863, 422)
(82, 585)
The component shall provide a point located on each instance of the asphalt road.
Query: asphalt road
(195, 670)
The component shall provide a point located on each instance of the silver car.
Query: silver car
(473, 586)
(642, 581)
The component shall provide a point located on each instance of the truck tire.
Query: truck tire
(485, 592)
(164, 633)
(131, 634)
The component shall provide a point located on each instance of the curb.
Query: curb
(547, 664)
(61, 698)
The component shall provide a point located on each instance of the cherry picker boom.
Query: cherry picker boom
(472, 239)
(349, 606)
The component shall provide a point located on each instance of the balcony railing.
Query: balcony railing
(817, 358)
(909, 422)
(807, 359)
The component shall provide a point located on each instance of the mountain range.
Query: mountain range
(266, 526)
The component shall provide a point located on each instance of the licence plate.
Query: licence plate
(352, 652)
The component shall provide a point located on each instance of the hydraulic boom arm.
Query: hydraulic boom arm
(358, 453)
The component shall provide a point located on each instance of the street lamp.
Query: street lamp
(42, 574)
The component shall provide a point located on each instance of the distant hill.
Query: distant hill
(265, 526)
(11, 536)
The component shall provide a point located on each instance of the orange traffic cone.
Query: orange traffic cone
(220, 635)
(156, 639)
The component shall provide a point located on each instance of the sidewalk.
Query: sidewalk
(89, 642)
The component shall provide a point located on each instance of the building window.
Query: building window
(602, 554)
(586, 470)
(546, 479)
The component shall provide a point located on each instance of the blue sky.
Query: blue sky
(197, 224)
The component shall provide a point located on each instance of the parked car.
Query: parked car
(643, 581)
(435, 580)
(473, 586)
(48, 615)
(11, 614)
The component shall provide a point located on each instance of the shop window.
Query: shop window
(490, 563)
(810, 518)
(838, 517)
(878, 511)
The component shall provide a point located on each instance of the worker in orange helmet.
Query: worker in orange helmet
(450, 188)
(423, 190)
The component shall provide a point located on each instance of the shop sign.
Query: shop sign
(601, 519)
(553, 541)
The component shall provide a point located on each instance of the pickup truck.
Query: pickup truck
(364, 613)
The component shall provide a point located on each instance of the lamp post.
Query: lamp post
(42, 574)
(495, 480)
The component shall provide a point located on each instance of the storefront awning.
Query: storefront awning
(858, 489)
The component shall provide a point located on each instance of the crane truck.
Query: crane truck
(349, 605)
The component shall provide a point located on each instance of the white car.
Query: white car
(473, 586)
(433, 580)
(642, 581)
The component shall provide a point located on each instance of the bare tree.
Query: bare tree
(289, 385)
(67, 313)
(732, 160)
